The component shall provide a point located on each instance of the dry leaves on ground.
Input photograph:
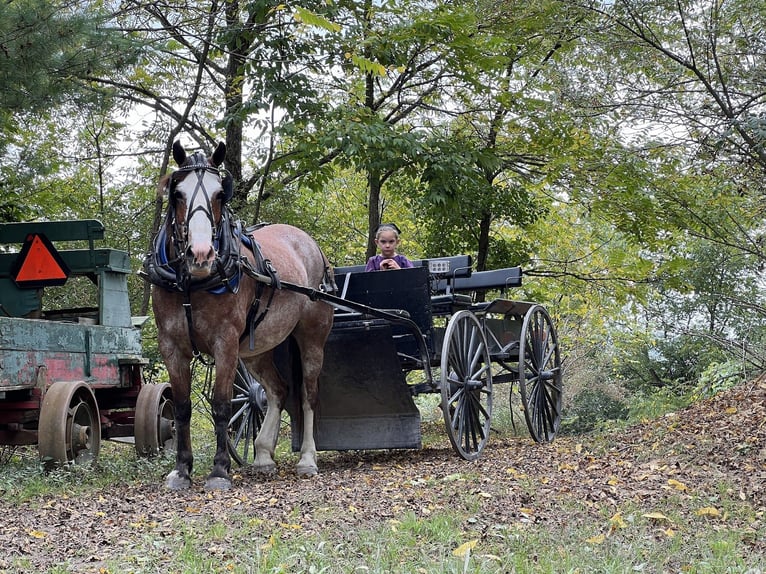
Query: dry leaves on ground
(690, 453)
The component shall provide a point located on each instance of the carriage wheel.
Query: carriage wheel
(69, 429)
(466, 385)
(154, 427)
(540, 381)
(248, 407)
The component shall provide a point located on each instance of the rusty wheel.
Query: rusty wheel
(69, 430)
(155, 420)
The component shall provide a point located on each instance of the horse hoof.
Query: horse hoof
(265, 469)
(175, 481)
(217, 483)
(307, 471)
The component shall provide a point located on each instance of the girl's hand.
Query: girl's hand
(389, 264)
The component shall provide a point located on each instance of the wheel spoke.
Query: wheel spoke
(540, 374)
(247, 418)
(466, 385)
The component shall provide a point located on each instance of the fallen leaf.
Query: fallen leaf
(616, 522)
(465, 548)
(677, 485)
(708, 511)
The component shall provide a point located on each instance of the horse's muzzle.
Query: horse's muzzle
(200, 261)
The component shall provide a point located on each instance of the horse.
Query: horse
(209, 296)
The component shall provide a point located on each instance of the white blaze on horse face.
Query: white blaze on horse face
(199, 200)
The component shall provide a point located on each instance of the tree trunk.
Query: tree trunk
(233, 101)
(373, 183)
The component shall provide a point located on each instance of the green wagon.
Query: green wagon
(70, 352)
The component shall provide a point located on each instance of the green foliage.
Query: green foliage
(591, 409)
(718, 377)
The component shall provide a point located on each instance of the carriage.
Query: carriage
(70, 352)
(345, 352)
(421, 330)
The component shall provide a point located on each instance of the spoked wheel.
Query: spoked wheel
(155, 420)
(70, 426)
(540, 383)
(466, 385)
(248, 407)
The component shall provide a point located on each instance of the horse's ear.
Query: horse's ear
(219, 154)
(179, 153)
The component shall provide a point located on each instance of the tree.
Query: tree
(46, 49)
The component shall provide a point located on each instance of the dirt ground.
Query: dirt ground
(690, 452)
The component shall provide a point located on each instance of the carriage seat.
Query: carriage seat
(444, 267)
(483, 280)
(442, 273)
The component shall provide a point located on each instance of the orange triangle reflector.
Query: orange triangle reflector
(39, 264)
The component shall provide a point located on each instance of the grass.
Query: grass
(441, 543)
(454, 538)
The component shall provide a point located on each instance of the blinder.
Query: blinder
(227, 183)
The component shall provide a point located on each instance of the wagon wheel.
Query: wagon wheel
(70, 427)
(466, 385)
(154, 427)
(540, 382)
(248, 409)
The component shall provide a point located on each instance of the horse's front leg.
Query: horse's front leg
(219, 478)
(266, 441)
(180, 382)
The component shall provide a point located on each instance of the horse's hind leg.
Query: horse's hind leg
(312, 356)
(263, 368)
(307, 465)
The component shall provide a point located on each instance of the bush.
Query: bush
(590, 409)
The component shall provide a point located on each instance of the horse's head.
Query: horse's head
(197, 193)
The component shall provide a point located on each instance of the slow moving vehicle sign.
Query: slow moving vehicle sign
(39, 264)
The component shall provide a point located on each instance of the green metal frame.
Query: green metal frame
(108, 268)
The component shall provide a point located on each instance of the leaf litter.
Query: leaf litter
(514, 484)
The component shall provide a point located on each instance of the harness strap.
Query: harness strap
(262, 265)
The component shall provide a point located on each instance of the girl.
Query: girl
(387, 239)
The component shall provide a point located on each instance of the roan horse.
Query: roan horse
(206, 299)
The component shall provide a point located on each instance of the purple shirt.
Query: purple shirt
(373, 263)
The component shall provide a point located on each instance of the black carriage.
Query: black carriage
(403, 333)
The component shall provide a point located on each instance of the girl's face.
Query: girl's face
(387, 242)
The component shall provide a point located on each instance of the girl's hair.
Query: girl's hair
(387, 227)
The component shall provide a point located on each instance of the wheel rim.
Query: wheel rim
(466, 385)
(248, 407)
(540, 382)
(70, 428)
(155, 420)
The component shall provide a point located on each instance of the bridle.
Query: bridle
(170, 270)
(198, 166)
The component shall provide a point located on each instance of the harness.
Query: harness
(172, 274)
